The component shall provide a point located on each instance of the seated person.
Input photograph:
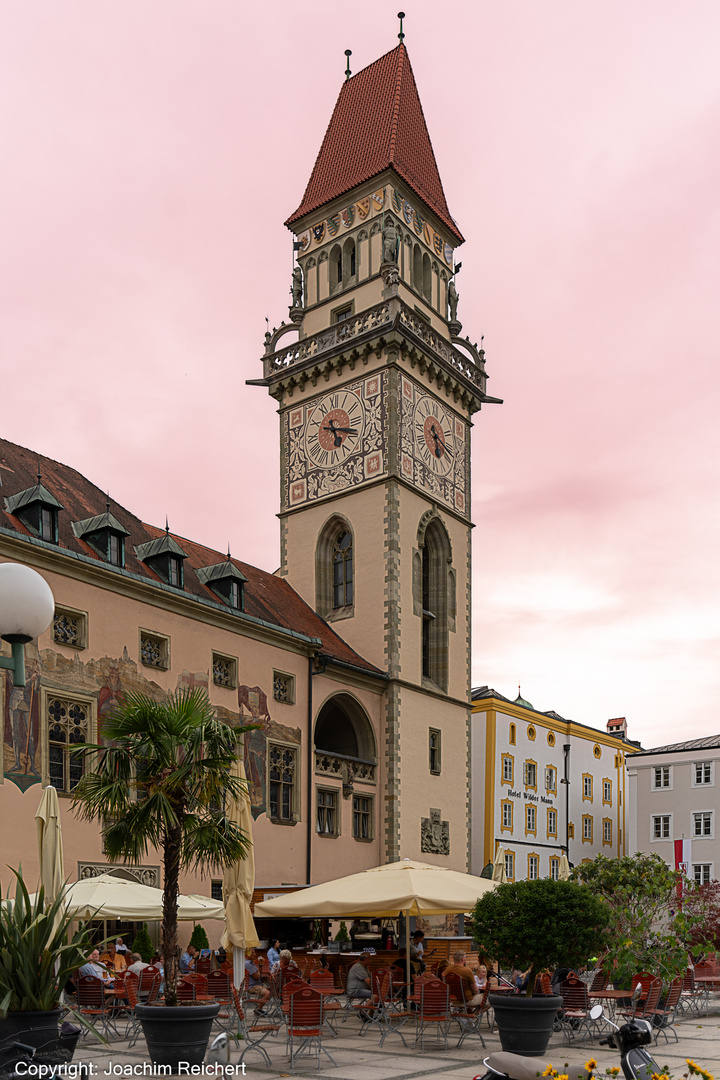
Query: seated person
(416, 952)
(273, 953)
(285, 966)
(187, 960)
(483, 976)
(252, 978)
(136, 963)
(399, 974)
(459, 967)
(520, 979)
(95, 967)
(358, 982)
(113, 959)
(441, 968)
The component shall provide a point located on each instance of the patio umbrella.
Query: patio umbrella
(564, 870)
(404, 888)
(50, 847)
(238, 885)
(110, 897)
(499, 873)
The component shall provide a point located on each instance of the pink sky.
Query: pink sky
(152, 150)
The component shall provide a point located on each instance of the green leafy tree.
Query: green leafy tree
(650, 930)
(199, 938)
(540, 925)
(342, 934)
(180, 759)
(143, 945)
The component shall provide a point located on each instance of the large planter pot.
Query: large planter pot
(525, 1023)
(34, 1028)
(177, 1034)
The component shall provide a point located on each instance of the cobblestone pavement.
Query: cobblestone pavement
(359, 1057)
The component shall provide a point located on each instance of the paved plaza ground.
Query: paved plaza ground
(360, 1058)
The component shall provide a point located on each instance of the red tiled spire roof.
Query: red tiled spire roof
(377, 123)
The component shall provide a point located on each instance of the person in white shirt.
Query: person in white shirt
(94, 967)
(137, 964)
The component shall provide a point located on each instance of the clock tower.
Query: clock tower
(376, 394)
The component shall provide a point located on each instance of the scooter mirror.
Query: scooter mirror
(596, 1012)
(637, 992)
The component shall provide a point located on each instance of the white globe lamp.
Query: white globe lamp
(27, 607)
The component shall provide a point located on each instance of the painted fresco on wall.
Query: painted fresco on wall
(253, 705)
(439, 925)
(21, 740)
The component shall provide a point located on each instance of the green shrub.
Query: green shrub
(143, 945)
(342, 934)
(199, 938)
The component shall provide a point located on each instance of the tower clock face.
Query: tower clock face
(434, 439)
(335, 428)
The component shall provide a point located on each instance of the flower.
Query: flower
(591, 1064)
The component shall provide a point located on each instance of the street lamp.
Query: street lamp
(27, 607)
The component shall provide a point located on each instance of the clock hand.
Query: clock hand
(439, 443)
(338, 431)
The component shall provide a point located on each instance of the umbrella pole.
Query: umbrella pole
(407, 951)
(238, 966)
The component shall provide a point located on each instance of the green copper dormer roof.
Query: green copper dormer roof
(219, 572)
(37, 494)
(164, 545)
(97, 524)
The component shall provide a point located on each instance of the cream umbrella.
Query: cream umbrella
(408, 887)
(110, 897)
(564, 870)
(50, 846)
(238, 885)
(499, 873)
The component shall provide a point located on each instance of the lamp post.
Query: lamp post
(27, 607)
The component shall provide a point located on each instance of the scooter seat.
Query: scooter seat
(516, 1066)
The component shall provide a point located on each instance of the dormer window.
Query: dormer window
(226, 581)
(38, 511)
(105, 535)
(165, 557)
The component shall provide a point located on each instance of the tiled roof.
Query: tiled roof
(707, 742)
(377, 124)
(267, 597)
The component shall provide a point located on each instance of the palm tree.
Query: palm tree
(161, 779)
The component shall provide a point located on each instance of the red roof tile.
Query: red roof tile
(377, 124)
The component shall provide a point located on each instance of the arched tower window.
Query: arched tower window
(335, 569)
(349, 259)
(417, 269)
(343, 728)
(427, 279)
(436, 557)
(336, 267)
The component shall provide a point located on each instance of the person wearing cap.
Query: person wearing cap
(358, 982)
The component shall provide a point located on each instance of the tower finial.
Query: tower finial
(348, 72)
(167, 526)
(401, 16)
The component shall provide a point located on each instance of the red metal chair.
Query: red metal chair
(665, 1015)
(95, 1004)
(305, 1025)
(434, 1009)
(255, 1033)
(468, 1017)
(576, 1008)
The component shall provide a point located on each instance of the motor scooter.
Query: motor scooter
(629, 1039)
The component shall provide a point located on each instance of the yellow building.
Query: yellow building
(544, 786)
(355, 658)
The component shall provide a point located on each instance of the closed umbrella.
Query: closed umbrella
(564, 869)
(238, 885)
(50, 846)
(499, 873)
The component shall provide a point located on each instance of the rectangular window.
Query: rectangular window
(175, 571)
(702, 771)
(68, 722)
(587, 827)
(327, 812)
(507, 769)
(154, 650)
(703, 824)
(224, 670)
(607, 831)
(510, 865)
(571, 830)
(282, 781)
(661, 777)
(551, 779)
(362, 817)
(661, 826)
(70, 628)
(507, 816)
(702, 873)
(216, 889)
(554, 868)
(530, 819)
(530, 774)
(552, 822)
(46, 524)
(284, 687)
(607, 792)
(434, 751)
(116, 549)
(587, 787)
(533, 867)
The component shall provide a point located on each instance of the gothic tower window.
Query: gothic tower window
(349, 260)
(417, 276)
(335, 569)
(436, 556)
(427, 279)
(336, 267)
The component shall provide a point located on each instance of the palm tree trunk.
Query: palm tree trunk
(171, 856)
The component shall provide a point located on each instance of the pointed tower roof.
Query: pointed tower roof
(377, 124)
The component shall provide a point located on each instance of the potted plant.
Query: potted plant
(38, 954)
(161, 779)
(536, 925)
(343, 937)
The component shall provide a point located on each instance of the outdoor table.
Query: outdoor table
(612, 997)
